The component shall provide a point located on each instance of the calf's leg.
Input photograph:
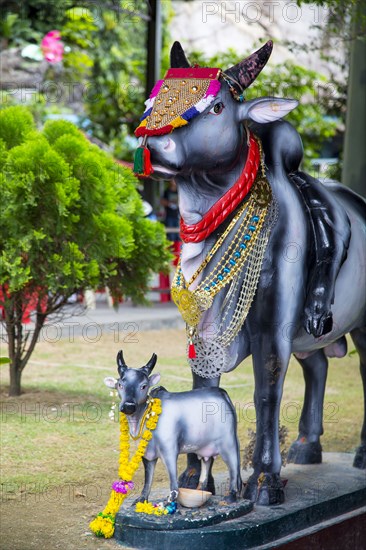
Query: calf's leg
(231, 458)
(191, 475)
(169, 455)
(149, 466)
(206, 466)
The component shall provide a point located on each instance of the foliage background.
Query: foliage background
(313, 117)
(102, 77)
(106, 61)
(71, 219)
(75, 214)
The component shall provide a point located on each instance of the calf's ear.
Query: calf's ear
(154, 379)
(266, 109)
(110, 382)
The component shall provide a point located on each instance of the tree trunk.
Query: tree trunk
(15, 377)
(17, 341)
(353, 174)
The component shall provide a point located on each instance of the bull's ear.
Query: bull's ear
(110, 382)
(154, 379)
(178, 58)
(121, 365)
(266, 109)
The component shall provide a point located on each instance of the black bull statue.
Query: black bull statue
(269, 267)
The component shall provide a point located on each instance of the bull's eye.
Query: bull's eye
(217, 108)
(143, 387)
(120, 385)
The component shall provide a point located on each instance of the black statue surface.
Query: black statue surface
(244, 203)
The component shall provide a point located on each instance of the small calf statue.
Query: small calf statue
(201, 421)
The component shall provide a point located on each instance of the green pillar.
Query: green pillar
(354, 161)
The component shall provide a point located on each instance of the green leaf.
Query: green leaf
(71, 217)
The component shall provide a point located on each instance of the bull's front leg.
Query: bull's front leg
(270, 360)
(191, 476)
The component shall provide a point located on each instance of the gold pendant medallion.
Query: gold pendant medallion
(187, 304)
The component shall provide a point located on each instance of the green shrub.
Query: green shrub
(71, 219)
(15, 124)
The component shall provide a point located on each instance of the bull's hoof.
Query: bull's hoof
(318, 324)
(189, 479)
(230, 498)
(360, 458)
(303, 452)
(265, 489)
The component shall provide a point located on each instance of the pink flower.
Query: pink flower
(52, 47)
(123, 486)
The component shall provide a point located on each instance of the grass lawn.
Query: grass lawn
(59, 448)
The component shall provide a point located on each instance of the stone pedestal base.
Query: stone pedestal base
(325, 507)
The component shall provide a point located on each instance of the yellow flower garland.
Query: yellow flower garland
(103, 524)
(149, 508)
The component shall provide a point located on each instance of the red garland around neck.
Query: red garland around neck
(222, 208)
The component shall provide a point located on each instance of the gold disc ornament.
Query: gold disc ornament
(187, 304)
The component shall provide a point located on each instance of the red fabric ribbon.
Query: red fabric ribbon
(222, 208)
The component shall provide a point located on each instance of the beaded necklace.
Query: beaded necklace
(212, 357)
(235, 259)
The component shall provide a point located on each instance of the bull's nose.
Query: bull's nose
(161, 144)
(128, 408)
(169, 145)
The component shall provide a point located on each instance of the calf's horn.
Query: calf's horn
(150, 365)
(121, 365)
(244, 73)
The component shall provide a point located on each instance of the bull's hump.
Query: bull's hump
(282, 144)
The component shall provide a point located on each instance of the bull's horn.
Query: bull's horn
(121, 365)
(150, 365)
(245, 72)
(178, 58)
